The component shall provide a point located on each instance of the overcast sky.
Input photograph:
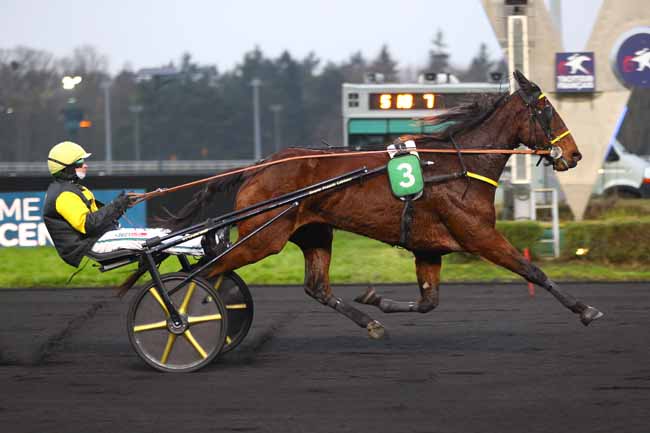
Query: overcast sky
(144, 33)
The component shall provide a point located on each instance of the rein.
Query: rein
(138, 198)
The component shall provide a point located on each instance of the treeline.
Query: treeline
(198, 112)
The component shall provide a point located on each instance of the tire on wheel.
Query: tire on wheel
(205, 321)
(239, 303)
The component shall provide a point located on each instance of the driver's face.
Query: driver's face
(82, 169)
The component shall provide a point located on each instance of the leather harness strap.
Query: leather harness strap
(405, 222)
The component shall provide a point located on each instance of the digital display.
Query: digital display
(402, 101)
(412, 101)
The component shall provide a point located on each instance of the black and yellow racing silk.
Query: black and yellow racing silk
(74, 219)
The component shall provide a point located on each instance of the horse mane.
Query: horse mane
(464, 117)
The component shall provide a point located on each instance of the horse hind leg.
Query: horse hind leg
(315, 241)
(428, 267)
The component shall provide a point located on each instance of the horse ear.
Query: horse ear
(522, 81)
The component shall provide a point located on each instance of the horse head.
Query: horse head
(546, 129)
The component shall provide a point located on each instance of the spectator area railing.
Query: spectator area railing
(106, 168)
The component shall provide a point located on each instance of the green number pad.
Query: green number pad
(405, 175)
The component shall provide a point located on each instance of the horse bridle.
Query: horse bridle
(543, 117)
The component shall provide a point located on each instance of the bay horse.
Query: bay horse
(452, 216)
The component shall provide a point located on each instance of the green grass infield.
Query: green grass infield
(355, 260)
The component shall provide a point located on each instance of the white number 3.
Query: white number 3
(407, 174)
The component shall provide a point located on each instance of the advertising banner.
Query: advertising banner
(21, 217)
(575, 72)
(631, 58)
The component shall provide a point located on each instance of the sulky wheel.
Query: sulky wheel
(235, 295)
(203, 313)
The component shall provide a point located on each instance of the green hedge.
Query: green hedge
(622, 240)
(521, 234)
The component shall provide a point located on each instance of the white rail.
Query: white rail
(104, 168)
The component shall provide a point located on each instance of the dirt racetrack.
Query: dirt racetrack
(489, 359)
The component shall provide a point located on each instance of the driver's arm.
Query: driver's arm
(70, 206)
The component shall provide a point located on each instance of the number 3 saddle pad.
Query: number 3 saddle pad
(405, 175)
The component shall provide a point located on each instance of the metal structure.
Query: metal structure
(276, 109)
(136, 110)
(108, 152)
(257, 130)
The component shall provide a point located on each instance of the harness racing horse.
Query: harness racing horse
(454, 215)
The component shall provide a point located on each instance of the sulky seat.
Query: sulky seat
(114, 259)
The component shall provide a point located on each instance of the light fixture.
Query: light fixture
(70, 82)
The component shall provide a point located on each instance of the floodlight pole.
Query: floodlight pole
(256, 83)
(276, 109)
(136, 110)
(106, 86)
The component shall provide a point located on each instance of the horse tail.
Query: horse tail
(196, 208)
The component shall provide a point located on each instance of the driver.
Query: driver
(79, 224)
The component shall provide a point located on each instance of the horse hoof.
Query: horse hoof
(589, 315)
(376, 330)
(369, 297)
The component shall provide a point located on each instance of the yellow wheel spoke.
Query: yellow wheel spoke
(200, 319)
(150, 326)
(155, 294)
(190, 338)
(168, 348)
(217, 284)
(186, 300)
(236, 307)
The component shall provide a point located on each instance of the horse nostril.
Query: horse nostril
(577, 156)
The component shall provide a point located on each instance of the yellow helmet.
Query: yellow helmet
(65, 154)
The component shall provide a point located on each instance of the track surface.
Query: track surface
(489, 359)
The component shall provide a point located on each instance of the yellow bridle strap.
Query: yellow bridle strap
(541, 95)
(483, 178)
(560, 137)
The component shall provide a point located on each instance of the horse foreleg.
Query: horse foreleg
(499, 251)
(428, 273)
(316, 245)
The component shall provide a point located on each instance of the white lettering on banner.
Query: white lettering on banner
(43, 235)
(4, 240)
(27, 231)
(575, 82)
(24, 235)
(10, 211)
(31, 213)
